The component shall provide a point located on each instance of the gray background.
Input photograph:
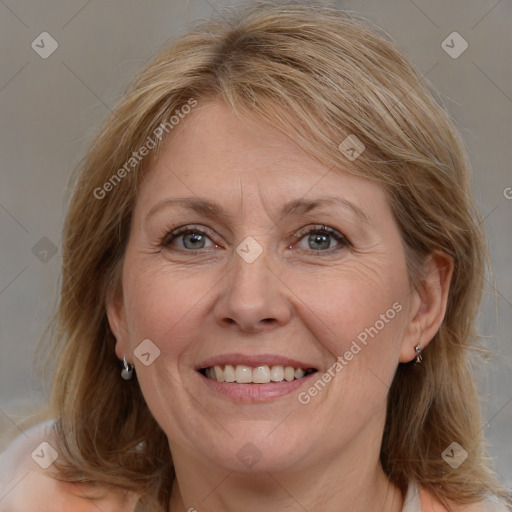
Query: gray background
(50, 109)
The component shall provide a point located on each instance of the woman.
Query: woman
(272, 266)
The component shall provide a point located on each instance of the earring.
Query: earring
(419, 357)
(127, 371)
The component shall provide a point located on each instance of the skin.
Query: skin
(24, 485)
(294, 300)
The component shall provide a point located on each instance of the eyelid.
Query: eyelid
(340, 237)
(173, 234)
(319, 227)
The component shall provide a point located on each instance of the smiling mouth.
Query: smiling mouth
(263, 374)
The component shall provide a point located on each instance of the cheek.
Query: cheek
(164, 306)
(355, 301)
(358, 314)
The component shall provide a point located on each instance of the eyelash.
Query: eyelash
(169, 237)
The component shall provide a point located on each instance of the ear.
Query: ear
(427, 305)
(117, 321)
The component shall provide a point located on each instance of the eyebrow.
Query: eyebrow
(211, 208)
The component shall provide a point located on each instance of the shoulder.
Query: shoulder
(21, 454)
(28, 480)
(489, 505)
(431, 504)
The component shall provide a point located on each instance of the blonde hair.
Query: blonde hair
(319, 74)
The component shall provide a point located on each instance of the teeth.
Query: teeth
(289, 373)
(261, 375)
(277, 373)
(229, 373)
(243, 374)
(219, 374)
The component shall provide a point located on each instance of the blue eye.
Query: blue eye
(191, 237)
(194, 238)
(319, 239)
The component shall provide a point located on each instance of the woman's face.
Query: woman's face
(294, 265)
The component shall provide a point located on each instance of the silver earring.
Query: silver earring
(127, 371)
(419, 357)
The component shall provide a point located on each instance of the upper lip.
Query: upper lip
(253, 361)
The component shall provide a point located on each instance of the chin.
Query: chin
(256, 451)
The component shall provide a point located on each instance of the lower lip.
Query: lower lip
(252, 393)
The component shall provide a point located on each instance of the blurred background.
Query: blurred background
(64, 65)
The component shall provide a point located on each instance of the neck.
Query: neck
(357, 484)
(272, 493)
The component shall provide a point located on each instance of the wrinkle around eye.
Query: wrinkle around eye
(347, 235)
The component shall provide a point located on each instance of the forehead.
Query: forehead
(214, 153)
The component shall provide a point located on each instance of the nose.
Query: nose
(254, 299)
